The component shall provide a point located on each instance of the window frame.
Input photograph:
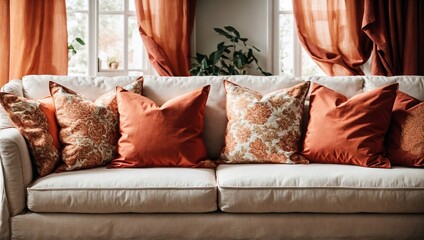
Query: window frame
(297, 47)
(92, 43)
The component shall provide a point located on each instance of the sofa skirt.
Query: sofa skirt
(217, 225)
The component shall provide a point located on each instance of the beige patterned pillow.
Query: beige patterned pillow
(89, 130)
(263, 129)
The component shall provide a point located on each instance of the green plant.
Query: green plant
(71, 46)
(232, 58)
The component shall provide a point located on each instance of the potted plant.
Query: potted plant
(233, 58)
(72, 47)
(112, 63)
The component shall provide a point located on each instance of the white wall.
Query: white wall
(250, 17)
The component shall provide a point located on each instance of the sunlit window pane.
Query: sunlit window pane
(136, 50)
(78, 27)
(131, 5)
(309, 67)
(77, 4)
(286, 5)
(111, 5)
(111, 41)
(286, 64)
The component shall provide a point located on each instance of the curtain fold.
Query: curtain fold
(330, 32)
(33, 38)
(165, 27)
(396, 28)
(4, 42)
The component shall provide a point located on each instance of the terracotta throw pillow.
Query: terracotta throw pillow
(89, 130)
(161, 136)
(36, 121)
(263, 129)
(405, 139)
(349, 131)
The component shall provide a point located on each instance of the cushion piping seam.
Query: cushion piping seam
(109, 189)
(332, 188)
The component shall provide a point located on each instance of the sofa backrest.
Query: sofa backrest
(161, 89)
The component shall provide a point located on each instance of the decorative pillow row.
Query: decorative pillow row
(151, 135)
(267, 129)
(261, 129)
(88, 130)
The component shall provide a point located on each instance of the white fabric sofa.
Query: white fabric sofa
(263, 201)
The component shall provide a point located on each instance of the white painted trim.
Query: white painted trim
(275, 36)
(126, 37)
(270, 35)
(297, 54)
(92, 39)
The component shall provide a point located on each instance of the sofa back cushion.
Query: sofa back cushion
(161, 89)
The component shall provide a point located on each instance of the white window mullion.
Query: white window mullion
(92, 38)
(126, 37)
(297, 54)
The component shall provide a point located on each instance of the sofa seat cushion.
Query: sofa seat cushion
(102, 190)
(321, 188)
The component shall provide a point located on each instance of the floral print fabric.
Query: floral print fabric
(89, 130)
(32, 122)
(263, 129)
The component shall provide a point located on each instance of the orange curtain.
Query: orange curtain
(165, 27)
(330, 31)
(33, 38)
(396, 28)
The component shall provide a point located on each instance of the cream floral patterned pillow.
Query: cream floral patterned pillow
(263, 129)
(89, 130)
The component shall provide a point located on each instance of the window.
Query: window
(292, 58)
(109, 29)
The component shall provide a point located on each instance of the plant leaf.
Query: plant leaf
(80, 41)
(223, 32)
(204, 64)
(233, 30)
(257, 49)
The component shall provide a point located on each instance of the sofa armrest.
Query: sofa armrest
(15, 175)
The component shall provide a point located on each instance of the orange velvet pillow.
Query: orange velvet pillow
(47, 106)
(161, 136)
(349, 131)
(36, 121)
(405, 139)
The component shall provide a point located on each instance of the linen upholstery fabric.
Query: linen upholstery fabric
(36, 122)
(405, 138)
(411, 85)
(264, 128)
(144, 190)
(37, 86)
(349, 131)
(89, 130)
(15, 176)
(326, 188)
(218, 226)
(165, 136)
